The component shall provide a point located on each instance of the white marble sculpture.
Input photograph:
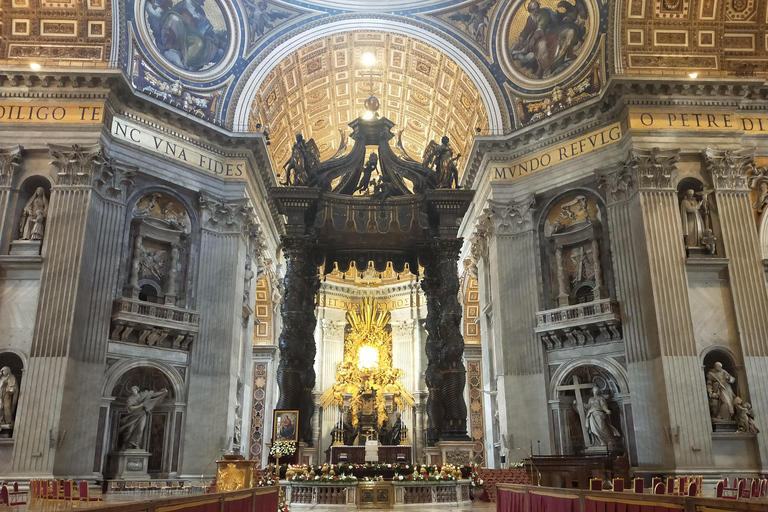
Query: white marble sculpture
(132, 425)
(691, 210)
(32, 225)
(744, 416)
(720, 393)
(601, 431)
(9, 398)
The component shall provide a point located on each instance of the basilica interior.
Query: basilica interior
(497, 235)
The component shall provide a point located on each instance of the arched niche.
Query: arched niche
(698, 219)
(30, 215)
(10, 390)
(571, 389)
(731, 377)
(575, 262)
(163, 430)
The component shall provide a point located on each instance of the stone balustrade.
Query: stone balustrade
(579, 324)
(153, 324)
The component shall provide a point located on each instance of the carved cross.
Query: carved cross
(578, 387)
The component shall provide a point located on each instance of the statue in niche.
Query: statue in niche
(439, 157)
(720, 393)
(370, 166)
(582, 265)
(744, 416)
(304, 156)
(601, 431)
(132, 425)
(694, 214)
(32, 225)
(9, 398)
(759, 183)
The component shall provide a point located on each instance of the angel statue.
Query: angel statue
(304, 157)
(476, 20)
(440, 158)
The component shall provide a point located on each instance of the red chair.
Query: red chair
(639, 485)
(671, 485)
(85, 494)
(719, 490)
(655, 480)
(692, 487)
(618, 485)
(68, 494)
(764, 488)
(755, 488)
(8, 499)
(658, 488)
(595, 484)
(682, 485)
(743, 491)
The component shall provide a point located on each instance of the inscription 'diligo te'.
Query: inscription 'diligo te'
(75, 113)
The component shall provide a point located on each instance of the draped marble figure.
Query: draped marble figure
(693, 223)
(720, 393)
(9, 397)
(132, 425)
(32, 225)
(601, 432)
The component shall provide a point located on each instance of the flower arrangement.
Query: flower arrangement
(377, 478)
(283, 505)
(324, 479)
(266, 480)
(474, 478)
(282, 449)
(520, 464)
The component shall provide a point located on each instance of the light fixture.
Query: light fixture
(693, 75)
(368, 115)
(35, 66)
(368, 59)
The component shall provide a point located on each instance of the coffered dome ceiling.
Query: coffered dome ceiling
(320, 88)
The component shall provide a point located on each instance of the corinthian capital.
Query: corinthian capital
(654, 168)
(729, 168)
(9, 163)
(510, 218)
(618, 184)
(226, 216)
(112, 180)
(75, 164)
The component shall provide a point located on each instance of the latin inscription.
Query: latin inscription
(91, 113)
(557, 154)
(162, 144)
(660, 120)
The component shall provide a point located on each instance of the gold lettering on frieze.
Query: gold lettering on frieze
(36, 112)
(697, 120)
(557, 154)
(381, 305)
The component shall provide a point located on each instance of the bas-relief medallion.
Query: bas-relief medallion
(192, 35)
(544, 42)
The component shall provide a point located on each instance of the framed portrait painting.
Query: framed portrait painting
(285, 426)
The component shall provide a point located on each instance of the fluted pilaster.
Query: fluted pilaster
(215, 352)
(10, 162)
(729, 171)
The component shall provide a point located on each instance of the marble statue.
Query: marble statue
(691, 210)
(132, 425)
(32, 225)
(601, 432)
(720, 393)
(396, 434)
(9, 398)
(744, 416)
(708, 241)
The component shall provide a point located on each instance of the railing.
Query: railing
(572, 314)
(153, 310)
(321, 493)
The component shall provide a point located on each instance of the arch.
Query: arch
(119, 369)
(610, 365)
(19, 354)
(302, 37)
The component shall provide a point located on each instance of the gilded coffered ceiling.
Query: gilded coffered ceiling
(706, 37)
(319, 89)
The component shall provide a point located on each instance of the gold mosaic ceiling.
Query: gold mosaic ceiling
(321, 88)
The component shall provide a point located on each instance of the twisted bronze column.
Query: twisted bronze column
(433, 377)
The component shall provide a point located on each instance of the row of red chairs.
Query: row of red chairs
(742, 489)
(682, 486)
(65, 490)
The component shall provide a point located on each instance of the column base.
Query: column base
(128, 465)
(307, 454)
(458, 453)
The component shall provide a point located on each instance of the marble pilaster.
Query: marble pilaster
(517, 352)
(746, 276)
(79, 272)
(10, 162)
(652, 270)
(214, 361)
